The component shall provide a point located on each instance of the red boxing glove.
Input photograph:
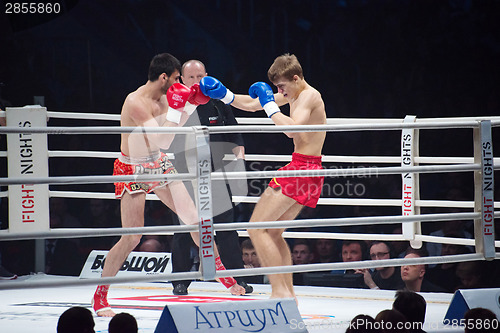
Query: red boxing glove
(197, 97)
(177, 97)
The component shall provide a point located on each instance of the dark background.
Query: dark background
(369, 59)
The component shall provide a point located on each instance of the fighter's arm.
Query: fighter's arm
(213, 88)
(144, 119)
(300, 115)
(247, 103)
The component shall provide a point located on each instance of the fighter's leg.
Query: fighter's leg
(290, 214)
(269, 244)
(132, 215)
(177, 198)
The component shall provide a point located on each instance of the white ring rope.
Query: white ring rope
(360, 159)
(248, 271)
(258, 120)
(285, 158)
(244, 175)
(376, 202)
(267, 121)
(322, 201)
(345, 221)
(248, 128)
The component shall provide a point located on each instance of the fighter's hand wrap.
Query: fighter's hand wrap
(213, 88)
(177, 97)
(228, 282)
(266, 97)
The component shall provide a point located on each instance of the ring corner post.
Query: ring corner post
(410, 182)
(484, 228)
(204, 203)
(27, 156)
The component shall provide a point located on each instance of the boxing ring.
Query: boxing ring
(33, 299)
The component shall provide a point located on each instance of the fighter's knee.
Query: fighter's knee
(131, 241)
(276, 233)
(255, 233)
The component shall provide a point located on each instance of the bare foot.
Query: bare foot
(237, 290)
(105, 313)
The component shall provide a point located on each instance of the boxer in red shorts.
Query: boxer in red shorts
(124, 165)
(161, 102)
(285, 197)
(305, 190)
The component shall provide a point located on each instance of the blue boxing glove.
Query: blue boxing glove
(266, 97)
(213, 88)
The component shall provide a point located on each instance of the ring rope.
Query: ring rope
(248, 271)
(285, 158)
(376, 202)
(384, 237)
(267, 121)
(248, 128)
(256, 120)
(245, 175)
(322, 201)
(360, 159)
(345, 221)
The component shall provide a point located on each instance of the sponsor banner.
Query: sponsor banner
(408, 186)
(465, 299)
(488, 228)
(142, 263)
(27, 156)
(204, 204)
(272, 315)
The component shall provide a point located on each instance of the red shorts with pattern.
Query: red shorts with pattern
(160, 165)
(305, 190)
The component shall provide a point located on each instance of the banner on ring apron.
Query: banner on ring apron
(465, 299)
(137, 263)
(271, 315)
(27, 156)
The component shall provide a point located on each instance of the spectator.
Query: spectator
(251, 260)
(454, 229)
(362, 324)
(413, 307)
(249, 255)
(76, 319)
(444, 275)
(151, 245)
(392, 321)
(479, 320)
(123, 323)
(413, 275)
(399, 246)
(383, 277)
(470, 275)
(301, 254)
(325, 251)
(353, 250)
